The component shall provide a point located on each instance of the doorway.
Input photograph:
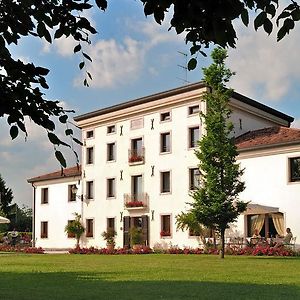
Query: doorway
(139, 222)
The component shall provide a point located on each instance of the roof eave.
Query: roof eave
(268, 146)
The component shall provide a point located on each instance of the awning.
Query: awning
(257, 209)
(4, 220)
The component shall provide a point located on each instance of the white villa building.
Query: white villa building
(138, 168)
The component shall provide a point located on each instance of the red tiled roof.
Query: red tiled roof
(270, 136)
(68, 172)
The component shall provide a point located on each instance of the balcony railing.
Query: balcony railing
(136, 156)
(136, 201)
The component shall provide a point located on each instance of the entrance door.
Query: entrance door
(141, 223)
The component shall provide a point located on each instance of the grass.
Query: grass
(147, 277)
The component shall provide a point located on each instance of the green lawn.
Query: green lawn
(147, 277)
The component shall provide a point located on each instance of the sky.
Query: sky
(135, 57)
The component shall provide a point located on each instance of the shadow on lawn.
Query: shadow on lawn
(67, 285)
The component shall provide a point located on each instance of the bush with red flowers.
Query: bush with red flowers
(21, 249)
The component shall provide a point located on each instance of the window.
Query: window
(89, 228)
(166, 116)
(111, 188)
(136, 187)
(111, 129)
(294, 166)
(193, 109)
(194, 180)
(193, 136)
(71, 235)
(165, 182)
(110, 224)
(44, 196)
(111, 151)
(165, 142)
(136, 152)
(71, 192)
(44, 230)
(165, 229)
(89, 155)
(90, 134)
(90, 189)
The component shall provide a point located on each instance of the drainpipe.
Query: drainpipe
(33, 215)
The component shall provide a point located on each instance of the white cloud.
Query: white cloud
(296, 124)
(120, 62)
(265, 68)
(114, 63)
(63, 46)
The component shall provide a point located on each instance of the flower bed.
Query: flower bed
(93, 250)
(21, 249)
(231, 250)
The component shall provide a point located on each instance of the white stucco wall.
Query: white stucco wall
(56, 212)
(267, 183)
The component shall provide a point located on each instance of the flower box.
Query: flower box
(135, 204)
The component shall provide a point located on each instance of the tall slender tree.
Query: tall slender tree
(216, 202)
(6, 197)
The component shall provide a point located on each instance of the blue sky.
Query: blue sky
(135, 57)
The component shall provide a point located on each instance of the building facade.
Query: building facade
(139, 166)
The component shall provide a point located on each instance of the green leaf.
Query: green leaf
(271, 10)
(259, 20)
(192, 64)
(281, 33)
(245, 17)
(81, 65)
(59, 156)
(14, 131)
(58, 33)
(102, 4)
(89, 74)
(69, 131)
(53, 138)
(77, 48)
(296, 14)
(268, 26)
(42, 71)
(86, 56)
(77, 141)
(63, 119)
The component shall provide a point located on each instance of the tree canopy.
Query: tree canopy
(216, 201)
(22, 84)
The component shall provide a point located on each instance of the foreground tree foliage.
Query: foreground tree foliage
(22, 84)
(216, 203)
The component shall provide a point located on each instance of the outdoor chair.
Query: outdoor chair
(292, 243)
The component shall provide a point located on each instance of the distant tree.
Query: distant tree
(20, 218)
(6, 196)
(22, 84)
(216, 201)
(76, 228)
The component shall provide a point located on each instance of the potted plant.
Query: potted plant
(109, 237)
(136, 237)
(75, 228)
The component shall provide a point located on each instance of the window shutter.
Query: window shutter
(145, 229)
(126, 228)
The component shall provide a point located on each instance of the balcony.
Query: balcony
(136, 201)
(136, 156)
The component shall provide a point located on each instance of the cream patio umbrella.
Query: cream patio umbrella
(4, 220)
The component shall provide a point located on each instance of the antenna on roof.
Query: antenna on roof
(185, 69)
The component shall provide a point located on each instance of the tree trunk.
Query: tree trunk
(222, 253)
